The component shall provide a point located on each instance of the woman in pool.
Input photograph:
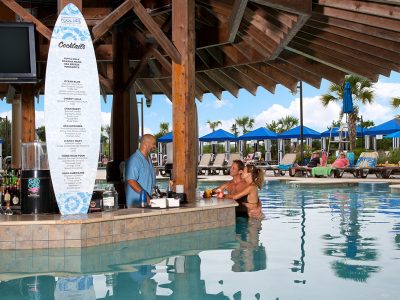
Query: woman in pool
(249, 196)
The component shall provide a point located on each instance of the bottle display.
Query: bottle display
(10, 191)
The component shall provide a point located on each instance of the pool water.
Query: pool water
(315, 243)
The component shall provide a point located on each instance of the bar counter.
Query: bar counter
(78, 231)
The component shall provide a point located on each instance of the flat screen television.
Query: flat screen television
(17, 52)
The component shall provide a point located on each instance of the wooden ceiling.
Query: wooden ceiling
(239, 43)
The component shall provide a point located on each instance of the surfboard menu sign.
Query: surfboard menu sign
(72, 112)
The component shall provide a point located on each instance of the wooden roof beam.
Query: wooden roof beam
(224, 81)
(165, 88)
(27, 17)
(375, 21)
(350, 63)
(295, 71)
(277, 75)
(357, 27)
(355, 49)
(143, 62)
(144, 88)
(212, 86)
(313, 66)
(241, 79)
(303, 7)
(239, 6)
(380, 47)
(302, 19)
(259, 78)
(370, 8)
(274, 32)
(156, 31)
(331, 60)
(265, 53)
(216, 54)
(105, 25)
(106, 82)
(261, 38)
(157, 54)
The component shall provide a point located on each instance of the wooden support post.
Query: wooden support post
(16, 134)
(183, 98)
(120, 122)
(28, 113)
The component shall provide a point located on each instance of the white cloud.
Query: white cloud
(105, 118)
(386, 91)
(377, 112)
(315, 115)
(221, 103)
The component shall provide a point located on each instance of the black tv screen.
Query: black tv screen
(17, 52)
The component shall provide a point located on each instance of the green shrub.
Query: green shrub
(394, 156)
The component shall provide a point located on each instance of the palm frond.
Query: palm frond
(395, 102)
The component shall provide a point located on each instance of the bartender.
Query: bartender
(139, 172)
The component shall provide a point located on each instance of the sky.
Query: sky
(264, 107)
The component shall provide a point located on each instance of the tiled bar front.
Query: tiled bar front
(54, 231)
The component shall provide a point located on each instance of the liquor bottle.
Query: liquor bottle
(7, 199)
(15, 198)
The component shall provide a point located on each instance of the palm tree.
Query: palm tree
(273, 126)
(245, 122)
(283, 124)
(361, 90)
(396, 104)
(287, 123)
(235, 131)
(164, 128)
(214, 124)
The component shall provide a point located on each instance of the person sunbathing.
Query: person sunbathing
(255, 179)
(315, 160)
(341, 161)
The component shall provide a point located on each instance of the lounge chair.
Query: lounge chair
(204, 164)
(219, 163)
(287, 162)
(232, 157)
(366, 164)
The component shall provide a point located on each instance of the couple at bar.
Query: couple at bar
(243, 188)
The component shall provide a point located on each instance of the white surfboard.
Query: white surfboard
(72, 112)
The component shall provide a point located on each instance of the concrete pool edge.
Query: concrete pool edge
(55, 231)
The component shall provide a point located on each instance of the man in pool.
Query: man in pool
(237, 184)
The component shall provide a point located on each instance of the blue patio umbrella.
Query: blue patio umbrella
(219, 135)
(384, 128)
(347, 99)
(261, 133)
(295, 133)
(393, 135)
(166, 138)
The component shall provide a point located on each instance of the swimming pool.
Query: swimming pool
(315, 243)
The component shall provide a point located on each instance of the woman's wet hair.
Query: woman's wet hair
(257, 175)
(239, 163)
